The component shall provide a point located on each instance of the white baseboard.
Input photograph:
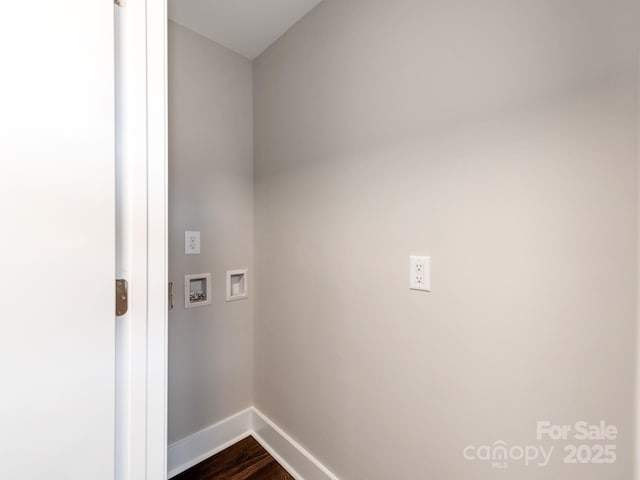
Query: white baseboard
(289, 453)
(190, 451)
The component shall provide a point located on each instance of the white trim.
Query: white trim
(195, 448)
(289, 453)
(142, 234)
(142, 123)
(157, 253)
(192, 450)
(636, 443)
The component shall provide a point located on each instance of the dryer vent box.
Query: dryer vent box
(237, 285)
(197, 290)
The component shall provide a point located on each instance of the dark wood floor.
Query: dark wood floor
(246, 460)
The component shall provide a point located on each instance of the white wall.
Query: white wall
(501, 139)
(211, 190)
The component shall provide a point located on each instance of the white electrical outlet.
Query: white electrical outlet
(192, 243)
(420, 273)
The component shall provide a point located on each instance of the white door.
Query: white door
(57, 240)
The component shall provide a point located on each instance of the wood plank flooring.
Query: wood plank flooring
(246, 460)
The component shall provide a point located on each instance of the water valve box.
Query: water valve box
(197, 290)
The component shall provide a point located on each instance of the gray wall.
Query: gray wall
(211, 190)
(501, 139)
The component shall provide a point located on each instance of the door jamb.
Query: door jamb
(144, 376)
(157, 137)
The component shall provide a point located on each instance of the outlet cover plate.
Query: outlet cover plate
(420, 273)
(191, 243)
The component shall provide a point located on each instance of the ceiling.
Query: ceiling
(247, 27)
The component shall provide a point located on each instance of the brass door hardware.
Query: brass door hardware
(122, 297)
